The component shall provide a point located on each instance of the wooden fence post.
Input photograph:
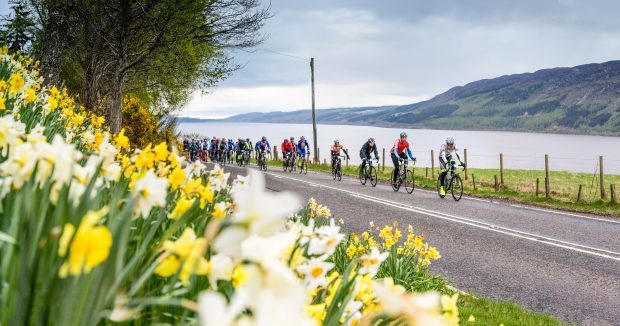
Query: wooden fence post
(501, 168)
(433, 163)
(579, 193)
(465, 153)
(612, 190)
(426, 171)
(347, 163)
(275, 153)
(318, 156)
(537, 186)
(547, 175)
(496, 183)
(383, 160)
(473, 180)
(602, 180)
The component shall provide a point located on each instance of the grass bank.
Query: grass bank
(519, 186)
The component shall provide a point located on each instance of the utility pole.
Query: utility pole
(316, 154)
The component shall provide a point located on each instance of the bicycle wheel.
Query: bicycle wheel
(395, 185)
(439, 187)
(363, 176)
(409, 180)
(456, 186)
(284, 165)
(334, 173)
(339, 175)
(304, 167)
(373, 176)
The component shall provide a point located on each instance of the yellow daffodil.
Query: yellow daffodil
(121, 140)
(219, 210)
(2, 106)
(186, 254)
(16, 83)
(206, 196)
(31, 96)
(146, 159)
(316, 311)
(182, 206)
(161, 151)
(52, 103)
(87, 247)
(176, 178)
(450, 309)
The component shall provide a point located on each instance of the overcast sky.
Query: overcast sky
(371, 52)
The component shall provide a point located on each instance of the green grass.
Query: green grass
(490, 312)
(519, 186)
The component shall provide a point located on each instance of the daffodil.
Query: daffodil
(151, 191)
(87, 247)
(161, 151)
(219, 211)
(183, 256)
(176, 178)
(2, 105)
(121, 141)
(182, 206)
(314, 272)
(371, 262)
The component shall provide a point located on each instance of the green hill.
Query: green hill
(582, 99)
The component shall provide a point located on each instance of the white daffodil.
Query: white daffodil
(10, 131)
(220, 268)
(263, 212)
(267, 250)
(239, 183)
(352, 311)
(314, 272)
(65, 157)
(20, 164)
(218, 178)
(151, 191)
(112, 172)
(36, 135)
(229, 240)
(213, 309)
(328, 238)
(370, 263)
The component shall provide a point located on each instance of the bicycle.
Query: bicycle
(453, 181)
(303, 165)
(369, 172)
(337, 167)
(405, 175)
(287, 162)
(262, 161)
(223, 157)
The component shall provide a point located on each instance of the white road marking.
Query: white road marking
(479, 224)
(565, 213)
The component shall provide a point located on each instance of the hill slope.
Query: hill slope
(582, 99)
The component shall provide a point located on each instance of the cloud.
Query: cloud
(381, 53)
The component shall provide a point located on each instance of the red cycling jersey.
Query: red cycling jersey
(400, 146)
(287, 146)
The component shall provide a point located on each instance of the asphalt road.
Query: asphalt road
(563, 264)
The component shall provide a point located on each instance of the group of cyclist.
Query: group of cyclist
(400, 151)
(218, 149)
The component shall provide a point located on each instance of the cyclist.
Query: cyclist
(448, 148)
(250, 147)
(263, 145)
(287, 150)
(303, 148)
(398, 152)
(335, 150)
(294, 156)
(223, 144)
(368, 148)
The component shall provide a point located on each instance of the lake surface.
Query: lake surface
(578, 153)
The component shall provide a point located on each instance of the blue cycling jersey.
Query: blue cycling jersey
(303, 147)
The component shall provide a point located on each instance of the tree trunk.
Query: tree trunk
(114, 104)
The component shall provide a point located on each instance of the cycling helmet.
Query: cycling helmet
(403, 135)
(450, 141)
(292, 138)
(371, 140)
(263, 138)
(247, 139)
(303, 138)
(336, 141)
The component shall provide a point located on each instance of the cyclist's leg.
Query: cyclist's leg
(396, 165)
(442, 175)
(364, 158)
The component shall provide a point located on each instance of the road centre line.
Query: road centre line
(479, 224)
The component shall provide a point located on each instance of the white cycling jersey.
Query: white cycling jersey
(445, 152)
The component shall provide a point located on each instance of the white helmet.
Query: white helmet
(450, 141)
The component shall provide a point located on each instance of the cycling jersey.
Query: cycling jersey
(367, 150)
(287, 147)
(303, 147)
(446, 152)
(263, 145)
(400, 146)
(336, 149)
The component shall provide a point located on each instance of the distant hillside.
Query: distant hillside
(582, 99)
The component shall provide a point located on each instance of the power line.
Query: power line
(283, 54)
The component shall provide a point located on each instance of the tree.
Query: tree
(159, 50)
(18, 29)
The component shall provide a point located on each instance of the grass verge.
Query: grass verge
(519, 187)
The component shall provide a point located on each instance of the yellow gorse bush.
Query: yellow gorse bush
(99, 229)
